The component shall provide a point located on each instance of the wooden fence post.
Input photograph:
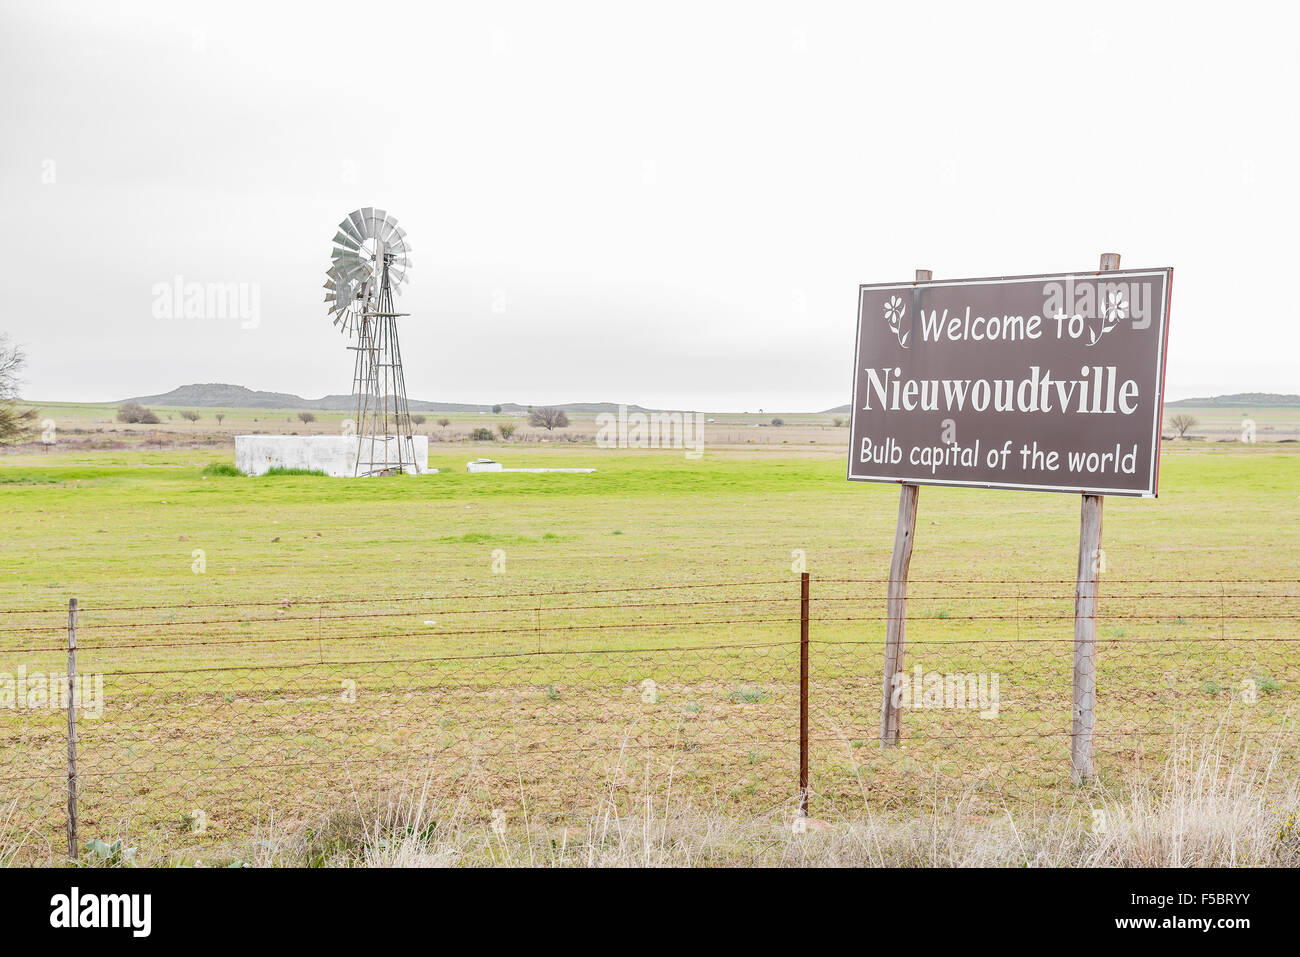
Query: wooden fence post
(1083, 719)
(803, 693)
(72, 729)
(896, 603)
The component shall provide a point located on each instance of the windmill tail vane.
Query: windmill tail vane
(368, 265)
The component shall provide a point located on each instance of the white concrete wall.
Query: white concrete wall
(334, 455)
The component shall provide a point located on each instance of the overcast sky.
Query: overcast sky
(664, 204)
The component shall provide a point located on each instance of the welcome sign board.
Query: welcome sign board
(1049, 383)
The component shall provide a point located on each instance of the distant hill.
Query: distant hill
(1238, 400)
(838, 410)
(221, 395)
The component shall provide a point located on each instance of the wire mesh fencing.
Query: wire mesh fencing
(200, 726)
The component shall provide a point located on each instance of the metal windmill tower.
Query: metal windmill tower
(368, 265)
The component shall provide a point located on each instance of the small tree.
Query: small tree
(778, 421)
(548, 418)
(220, 417)
(12, 360)
(496, 410)
(133, 413)
(190, 416)
(1182, 422)
(482, 435)
(307, 417)
(507, 429)
(14, 423)
(418, 419)
(838, 422)
(444, 422)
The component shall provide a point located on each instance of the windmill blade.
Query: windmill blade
(347, 265)
(358, 223)
(353, 271)
(346, 241)
(347, 227)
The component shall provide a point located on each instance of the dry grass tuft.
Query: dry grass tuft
(1203, 810)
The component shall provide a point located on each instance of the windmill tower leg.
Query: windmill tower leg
(386, 442)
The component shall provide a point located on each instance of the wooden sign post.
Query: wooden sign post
(896, 602)
(1048, 383)
(1084, 708)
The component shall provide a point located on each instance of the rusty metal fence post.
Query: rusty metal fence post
(803, 693)
(72, 729)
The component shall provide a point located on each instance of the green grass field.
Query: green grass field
(530, 700)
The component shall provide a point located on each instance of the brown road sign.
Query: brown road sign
(1049, 383)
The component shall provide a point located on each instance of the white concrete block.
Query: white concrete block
(335, 455)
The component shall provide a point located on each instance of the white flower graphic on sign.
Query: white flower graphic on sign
(894, 311)
(1116, 306)
(1113, 311)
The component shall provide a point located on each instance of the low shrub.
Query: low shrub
(223, 469)
(133, 413)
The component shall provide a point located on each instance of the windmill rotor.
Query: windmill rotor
(369, 250)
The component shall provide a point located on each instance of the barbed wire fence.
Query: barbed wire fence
(194, 725)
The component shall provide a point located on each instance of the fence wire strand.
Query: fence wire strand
(223, 715)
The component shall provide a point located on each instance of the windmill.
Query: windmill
(368, 264)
